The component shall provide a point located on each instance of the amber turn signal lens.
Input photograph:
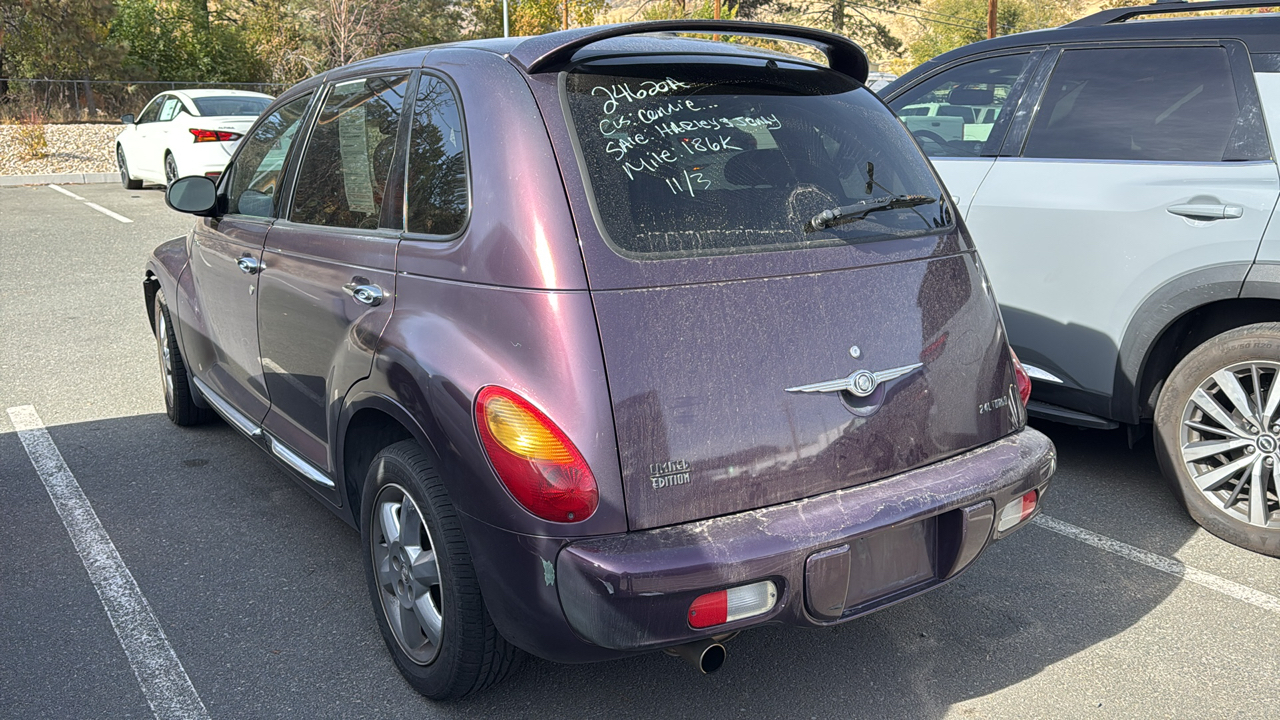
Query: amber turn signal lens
(533, 458)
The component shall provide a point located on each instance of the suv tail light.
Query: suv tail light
(214, 135)
(534, 459)
(1024, 380)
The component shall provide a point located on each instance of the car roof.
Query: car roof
(218, 92)
(1261, 33)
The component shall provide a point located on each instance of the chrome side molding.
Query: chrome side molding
(242, 423)
(295, 461)
(237, 419)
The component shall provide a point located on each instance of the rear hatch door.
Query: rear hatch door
(786, 302)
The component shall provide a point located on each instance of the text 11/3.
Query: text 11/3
(691, 180)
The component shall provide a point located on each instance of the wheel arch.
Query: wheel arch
(1179, 317)
(370, 423)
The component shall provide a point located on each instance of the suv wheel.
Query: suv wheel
(179, 399)
(1218, 436)
(421, 580)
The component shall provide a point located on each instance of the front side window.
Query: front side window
(256, 173)
(1169, 104)
(953, 113)
(344, 168)
(713, 158)
(437, 180)
(152, 110)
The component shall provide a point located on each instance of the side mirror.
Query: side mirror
(127, 119)
(195, 194)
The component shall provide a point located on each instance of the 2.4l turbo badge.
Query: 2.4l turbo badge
(669, 474)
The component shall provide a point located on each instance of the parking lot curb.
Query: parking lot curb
(58, 178)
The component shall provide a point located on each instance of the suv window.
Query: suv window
(437, 181)
(344, 167)
(255, 174)
(1137, 104)
(953, 113)
(709, 158)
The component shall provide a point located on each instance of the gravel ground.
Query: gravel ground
(72, 149)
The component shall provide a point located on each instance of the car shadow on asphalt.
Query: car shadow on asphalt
(262, 594)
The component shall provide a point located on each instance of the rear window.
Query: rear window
(231, 106)
(718, 157)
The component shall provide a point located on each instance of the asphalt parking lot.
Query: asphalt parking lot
(1114, 605)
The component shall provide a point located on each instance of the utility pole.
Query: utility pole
(991, 19)
(566, 14)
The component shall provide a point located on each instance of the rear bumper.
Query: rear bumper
(832, 557)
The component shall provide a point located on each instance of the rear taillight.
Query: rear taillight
(534, 459)
(1016, 512)
(1024, 381)
(214, 135)
(725, 606)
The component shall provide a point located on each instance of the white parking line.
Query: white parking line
(94, 206)
(66, 192)
(1162, 563)
(163, 680)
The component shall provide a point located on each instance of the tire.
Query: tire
(179, 400)
(1225, 396)
(406, 516)
(125, 179)
(170, 168)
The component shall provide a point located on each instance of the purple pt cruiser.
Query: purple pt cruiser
(608, 341)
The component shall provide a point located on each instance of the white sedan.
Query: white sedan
(185, 132)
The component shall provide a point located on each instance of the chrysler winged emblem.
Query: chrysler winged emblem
(860, 383)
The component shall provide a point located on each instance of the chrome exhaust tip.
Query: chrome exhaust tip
(707, 655)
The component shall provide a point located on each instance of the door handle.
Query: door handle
(248, 265)
(367, 294)
(1198, 211)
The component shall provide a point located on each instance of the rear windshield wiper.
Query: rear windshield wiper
(860, 210)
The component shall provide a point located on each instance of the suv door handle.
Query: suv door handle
(1197, 211)
(367, 294)
(249, 265)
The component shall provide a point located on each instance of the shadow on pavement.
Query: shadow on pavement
(262, 595)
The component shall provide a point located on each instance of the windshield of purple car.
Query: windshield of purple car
(739, 155)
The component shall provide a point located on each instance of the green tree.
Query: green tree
(949, 24)
(56, 39)
(182, 40)
(530, 17)
(862, 20)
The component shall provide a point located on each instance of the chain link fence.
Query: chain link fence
(65, 101)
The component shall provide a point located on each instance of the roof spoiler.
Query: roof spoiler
(546, 53)
(1162, 7)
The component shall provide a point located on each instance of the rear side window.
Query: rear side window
(954, 113)
(436, 194)
(344, 167)
(1169, 104)
(169, 110)
(231, 106)
(712, 158)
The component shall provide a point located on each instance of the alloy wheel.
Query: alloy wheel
(408, 574)
(1230, 441)
(170, 169)
(124, 169)
(166, 358)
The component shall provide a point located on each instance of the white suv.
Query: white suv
(1121, 186)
